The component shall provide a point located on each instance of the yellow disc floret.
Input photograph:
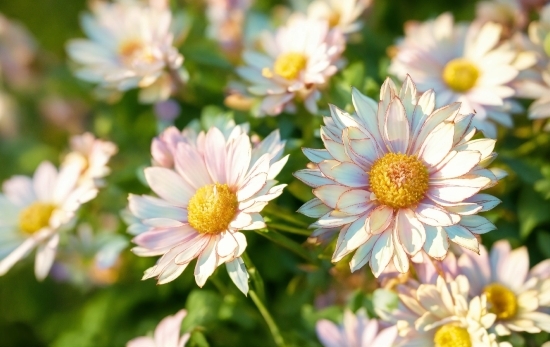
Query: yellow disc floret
(212, 208)
(399, 180)
(460, 74)
(289, 65)
(451, 335)
(35, 217)
(501, 301)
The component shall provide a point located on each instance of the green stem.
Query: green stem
(284, 241)
(268, 319)
(284, 216)
(283, 227)
(254, 275)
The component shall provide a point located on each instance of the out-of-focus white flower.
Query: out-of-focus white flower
(399, 177)
(34, 210)
(167, 334)
(513, 293)
(217, 188)
(92, 155)
(357, 331)
(227, 19)
(130, 46)
(8, 113)
(64, 113)
(442, 314)
(297, 60)
(341, 14)
(465, 63)
(511, 14)
(17, 52)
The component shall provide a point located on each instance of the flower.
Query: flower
(226, 18)
(513, 292)
(339, 14)
(130, 45)
(216, 189)
(399, 177)
(34, 211)
(511, 14)
(442, 315)
(468, 64)
(92, 155)
(17, 53)
(357, 331)
(167, 334)
(299, 58)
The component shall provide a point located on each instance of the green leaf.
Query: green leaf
(532, 211)
(202, 307)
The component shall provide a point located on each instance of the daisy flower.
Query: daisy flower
(468, 64)
(33, 211)
(357, 331)
(513, 293)
(442, 315)
(167, 334)
(130, 46)
(399, 177)
(511, 14)
(17, 53)
(297, 60)
(339, 14)
(227, 19)
(215, 191)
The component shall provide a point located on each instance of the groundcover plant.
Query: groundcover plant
(264, 173)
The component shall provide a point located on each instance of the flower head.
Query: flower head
(217, 188)
(339, 14)
(511, 14)
(299, 58)
(17, 52)
(130, 45)
(399, 177)
(227, 19)
(468, 64)
(167, 334)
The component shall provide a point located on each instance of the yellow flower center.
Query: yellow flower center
(134, 49)
(212, 208)
(289, 65)
(451, 335)
(460, 74)
(334, 19)
(502, 301)
(35, 217)
(399, 180)
(546, 44)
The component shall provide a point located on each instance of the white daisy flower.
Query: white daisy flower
(227, 19)
(357, 330)
(468, 64)
(399, 177)
(217, 190)
(34, 210)
(341, 14)
(167, 334)
(130, 46)
(513, 293)
(511, 14)
(297, 60)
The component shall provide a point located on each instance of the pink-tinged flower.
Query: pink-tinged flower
(130, 46)
(297, 60)
(92, 155)
(357, 331)
(17, 53)
(167, 334)
(513, 292)
(511, 14)
(227, 19)
(216, 189)
(443, 315)
(399, 177)
(341, 14)
(33, 211)
(461, 63)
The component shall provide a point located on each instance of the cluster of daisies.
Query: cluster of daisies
(398, 185)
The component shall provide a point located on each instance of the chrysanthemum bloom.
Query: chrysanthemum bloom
(357, 331)
(17, 52)
(468, 64)
(511, 14)
(227, 19)
(167, 334)
(339, 14)
(513, 293)
(217, 189)
(298, 59)
(398, 177)
(92, 155)
(34, 210)
(130, 46)
(442, 315)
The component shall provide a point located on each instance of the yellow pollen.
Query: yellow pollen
(460, 74)
(451, 335)
(399, 180)
(35, 217)
(212, 208)
(134, 49)
(289, 65)
(501, 301)
(334, 19)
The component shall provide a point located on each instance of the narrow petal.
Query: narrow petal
(238, 274)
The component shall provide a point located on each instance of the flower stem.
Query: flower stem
(284, 241)
(293, 230)
(281, 214)
(268, 319)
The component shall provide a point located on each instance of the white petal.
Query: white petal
(437, 243)
(330, 194)
(226, 245)
(382, 253)
(313, 178)
(169, 185)
(410, 230)
(346, 173)
(363, 253)
(314, 208)
(238, 274)
(477, 224)
(461, 236)
(396, 127)
(45, 255)
(434, 215)
(380, 219)
(206, 263)
(461, 163)
(437, 144)
(350, 239)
